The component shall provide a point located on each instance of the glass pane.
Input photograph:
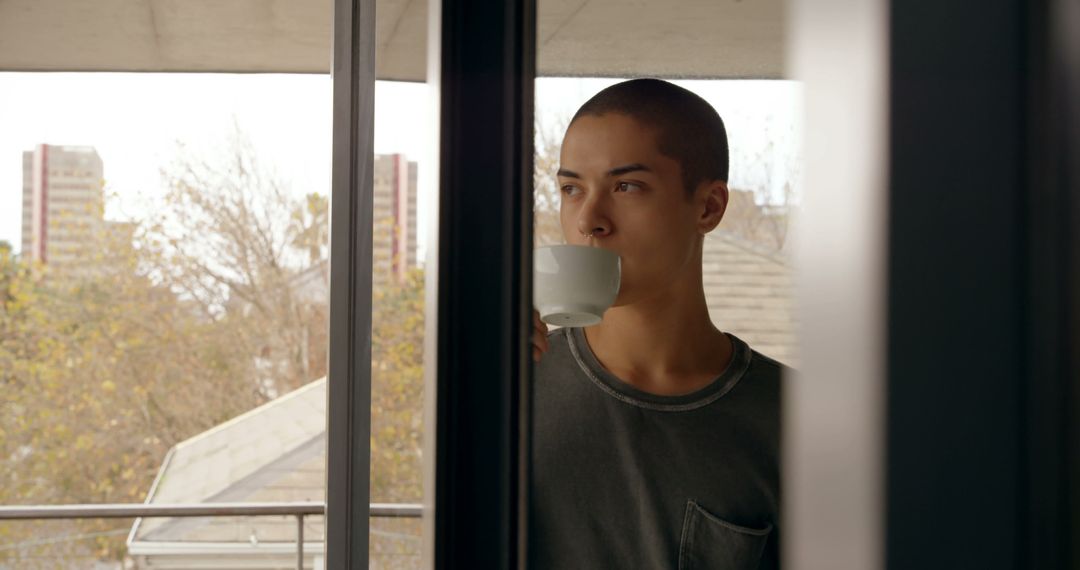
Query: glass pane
(164, 294)
(398, 316)
(402, 218)
(163, 300)
(163, 287)
(664, 282)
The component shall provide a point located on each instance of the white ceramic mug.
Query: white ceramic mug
(574, 284)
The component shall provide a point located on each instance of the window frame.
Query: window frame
(349, 371)
(483, 72)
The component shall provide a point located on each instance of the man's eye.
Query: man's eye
(571, 190)
(627, 187)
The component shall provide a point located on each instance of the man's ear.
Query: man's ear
(715, 201)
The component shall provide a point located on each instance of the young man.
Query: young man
(655, 435)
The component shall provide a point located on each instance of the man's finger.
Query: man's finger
(540, 337)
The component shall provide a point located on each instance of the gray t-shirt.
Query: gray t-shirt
(626, 479)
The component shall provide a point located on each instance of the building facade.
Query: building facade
(394, 214)
(63, 203)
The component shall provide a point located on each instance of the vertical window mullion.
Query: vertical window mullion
(485, 79)
(349, 381)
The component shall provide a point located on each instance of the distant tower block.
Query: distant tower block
(394, 239)
(63, 203)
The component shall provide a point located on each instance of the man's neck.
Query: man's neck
(665, 345)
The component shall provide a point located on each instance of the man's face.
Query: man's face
(617, 186)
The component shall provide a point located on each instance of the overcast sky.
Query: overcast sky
(136, 120)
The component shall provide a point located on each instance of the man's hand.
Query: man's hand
(539, 340)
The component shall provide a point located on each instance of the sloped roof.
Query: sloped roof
(750, 293)
(275, 452)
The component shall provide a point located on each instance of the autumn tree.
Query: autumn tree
(397, 405)
(172, 324)
(99, 376)
(234, 239)
(764, 203)
(547, 230)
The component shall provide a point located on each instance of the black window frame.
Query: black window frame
(485, 74)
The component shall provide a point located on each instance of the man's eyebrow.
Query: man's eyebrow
(617, 171)
(625, 169)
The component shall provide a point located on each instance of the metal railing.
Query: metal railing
(141, 510)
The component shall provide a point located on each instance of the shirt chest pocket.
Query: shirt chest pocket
(711, 543)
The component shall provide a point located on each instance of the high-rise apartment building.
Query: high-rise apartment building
(63, 203)
(394, 240)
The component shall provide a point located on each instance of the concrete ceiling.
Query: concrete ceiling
(669, 38)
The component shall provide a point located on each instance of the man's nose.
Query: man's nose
(593, 220)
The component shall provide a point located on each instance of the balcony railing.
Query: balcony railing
(125, 511)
